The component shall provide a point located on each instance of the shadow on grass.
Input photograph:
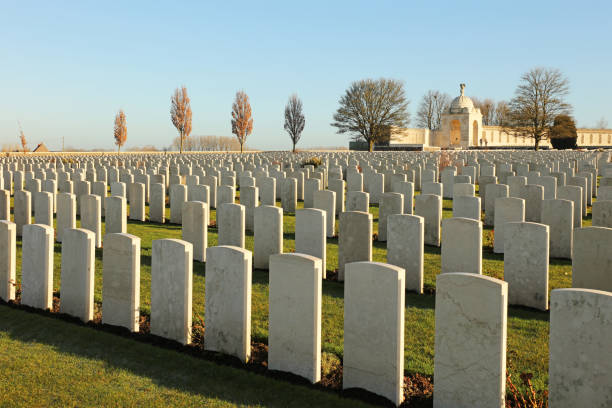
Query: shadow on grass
(165, 363)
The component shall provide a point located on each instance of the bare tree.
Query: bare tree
(502, 113)
(538, 99)
(602, 123)
(370, 107)
(242, 121)
(22, 139)
(432, 105)
(487, 108)
(120, 130)
(294, 119)
(180, 113)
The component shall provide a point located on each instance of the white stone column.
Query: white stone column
(461, 245)
(526, 251)
(171, 289)
(294, 338)
(228, 301)
(37, 266)
(121, 280)
(354, 239)
(195, 227)
(268, 237)
(374, 347)
(77, 274)
(310, 234)
(405, 247)
(470, 341)
(8, 278)
(230, 225)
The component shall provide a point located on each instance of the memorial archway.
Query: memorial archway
(455, 132)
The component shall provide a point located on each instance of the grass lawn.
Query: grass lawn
(32, 345)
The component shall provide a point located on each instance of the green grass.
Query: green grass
(49, 362)
(527, 332)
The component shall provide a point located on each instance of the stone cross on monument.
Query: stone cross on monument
(462, 86)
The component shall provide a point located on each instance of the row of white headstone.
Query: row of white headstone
(470, 312)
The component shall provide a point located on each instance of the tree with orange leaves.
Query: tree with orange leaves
(242, 122)
(180, 112)
(120, 131)
(22, 138)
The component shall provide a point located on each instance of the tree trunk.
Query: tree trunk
(293, 147)
(370, 145)
(240, 147)
(181, 143)
(118, 149)
(537, 144)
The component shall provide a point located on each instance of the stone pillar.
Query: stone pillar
(483, 182)
(91, 217)
(66, 213)
(115, 219)
(249, 198)
(574, 194)
(99, 188)
(37, 266)
(22, 209)
(602, 214)
(5, 205)
(43, 208)
(137, 202)
(195, 227)
(559, 215)
(118, 189)
(354, 239)
(526, 254)
(374, 347)
(294, 338)
(354, 181)
(326, 200)
(228, 301)
(429, 207)
(466, 207)
(310, 234)
(157, 203)
(78, 272)
(592, 258)
(267, 190)
(494, 191)
(448, 180)
(8, 278)
(507, 209)
(405, 247)
(171, 289)
(268, 234)
(533, 195)
(406, 189)
(461, 245)
(289, 195)
(50, 186)
(470, 341)
(390, 203)
(338, 186)
(178, 195)
(121, 280)
(310, 186)
(230, 225)
(376, 186)
(580, 363)
(357, 201)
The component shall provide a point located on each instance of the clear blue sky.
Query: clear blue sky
(67, 67)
